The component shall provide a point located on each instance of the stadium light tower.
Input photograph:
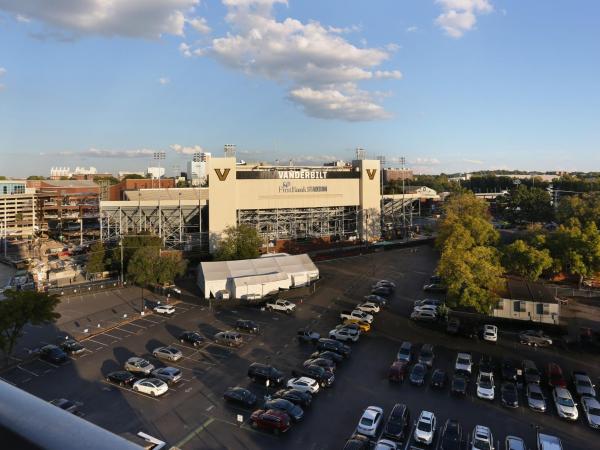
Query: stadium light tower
(159, 156)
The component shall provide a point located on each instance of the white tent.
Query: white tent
(255, 278)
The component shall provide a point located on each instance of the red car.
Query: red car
(555, 376)
(273, 420)
(397, 371)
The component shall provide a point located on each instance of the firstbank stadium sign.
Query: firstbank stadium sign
(301, 174)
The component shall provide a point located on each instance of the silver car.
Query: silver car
(138, 365)
(535, 338)
(591, 408)
(170, 353)
(535, 397)
(167, 374)
(514, 443)
(230, 338)
(583, 385)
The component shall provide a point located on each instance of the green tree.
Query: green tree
(36, 177)
(20, 308)
(526, 204)
(585, 208)
(133, 176)
(241, 242)
(133, 242)
(96, 258)
(143, 268)
(170, 266)
(525, 260)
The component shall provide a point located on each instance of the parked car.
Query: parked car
(67, 405)
(531, 374)
(151, 386)
(425, 428)
(370, 421)
(565, 406)
(357, 442)
(535, 397)
(53, 354)
(397, 371)
(168, 352)
(192, 338)
(398, 423)
(168, 310)
(260, 373)
(356, 314)
(334, 346)
(548, 442)
(438, 379)
(323, 376)
(363, 326)
(271, 420)
(294, 411)
(486, 365)
(169, 375)
(325, 363)
(382, 291)
(426, 355)
(432, 308)
(485, 386)
(72, 347)
(386, 283)
(464, 362)
(344, 334)
(555, 376)
(281, 306)
(121, 377)
(425, 316)
(453, 325)
(332, 356)
(307, 335)
(377, 299)
(459, 385)
(405, 352)
(591, 409)
(229, 338)
(434, 288)
(482, 438)
(451, 438)
(417, 374)
(369, 307)
(509, 370)
(508, 394)
(138, 365)
(300, 398)
(490, 333)
(582, 384)
(246, 325)
(240, 396)
(304, 384)
(535, 338)
(514, 443)
(385, 444)
(433, 302)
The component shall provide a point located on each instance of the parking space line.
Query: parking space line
(130, 390)
(101, 343)
(151, 321)
(195, 432)
(114, 337)
(121, 329)
(133, 324)
(28, 371)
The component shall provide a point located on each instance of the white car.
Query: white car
(485, 386)
(170, 353)
(358, 314)
(344, 334)
(464, 362)
(386, 444)
(425, 429)
(164, 309)
(482, 438)
(304, 384)
(138, 365)
(151, 386)
(424, 315)
(490, 333)
(428, 301)
(591, 408)
(565, 406)
(368, 307)
(369, 423)
(432, 308)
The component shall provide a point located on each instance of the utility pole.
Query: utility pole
(381, 201)
(402, 162)
(122, 276)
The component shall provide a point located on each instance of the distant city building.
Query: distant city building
(56, 173)
(394, 174)
(18, 212)
(197, 168)
(117, 191)
(338, 163)
(156, 172)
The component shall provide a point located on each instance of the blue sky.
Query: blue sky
(452, 85)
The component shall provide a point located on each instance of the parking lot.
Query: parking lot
(193, 415)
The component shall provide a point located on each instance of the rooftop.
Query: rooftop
(520, 289)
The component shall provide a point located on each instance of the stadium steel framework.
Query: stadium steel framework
(180, 224)
(302, 223)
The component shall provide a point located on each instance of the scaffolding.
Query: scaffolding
(337, 222)
(181, 225)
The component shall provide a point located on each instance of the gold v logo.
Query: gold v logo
(222, 174)
(371, 173)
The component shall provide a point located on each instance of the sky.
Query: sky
(451, 85)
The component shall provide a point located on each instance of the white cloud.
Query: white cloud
(22, 19)
(473, 161)
(321, 68)
(130, 18)
(412, 29)
(186, 150)
(424, 161)
(104, 153)
(2, 71)
(164, 80)
(199, 24)
(460, 16)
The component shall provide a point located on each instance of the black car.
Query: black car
(322, 362)
(300, 398)
(262, 372)
(240, 396)
(382, 291)
(191, 337)
(486, 364)
(334, 346)
(53, 354)
(332, 356)
(294, 411)
(397, 425)
(508, 395)
(451, 435)
(247, 325)
(417, 374)
(72, 347)
(377, 299)
(323, 376)
(121, 377)
(460, 383)
(438, 379)
(531, 373)
(357, 442)
(509, 370)
(453, 325)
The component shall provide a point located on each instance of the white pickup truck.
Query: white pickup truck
(281, 305)
(356, 314)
